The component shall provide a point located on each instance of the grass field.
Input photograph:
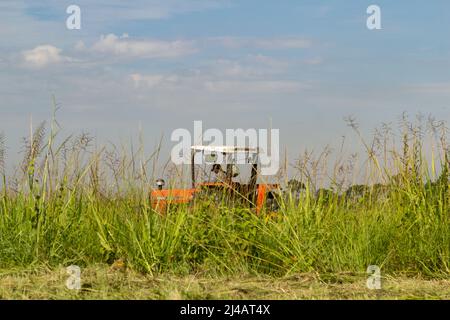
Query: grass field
(73, 203)
(104, 282)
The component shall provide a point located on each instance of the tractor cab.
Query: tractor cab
(233, 170)
(227, 173)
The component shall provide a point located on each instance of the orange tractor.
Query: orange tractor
(249, 192)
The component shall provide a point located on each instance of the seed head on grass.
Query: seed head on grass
(33, 148)
(2, 154)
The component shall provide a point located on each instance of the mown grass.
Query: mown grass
(105, 282)
(72, 203)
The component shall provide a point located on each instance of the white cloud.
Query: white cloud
(256, 86)
(42, 56)
(266, 60)
(80, 46)
(283, 43)
(151, 81)
(125, 47)
(225, 69)
(264, 43)
(251, 66)
(314, 61)
(204, 89)
(254, 74)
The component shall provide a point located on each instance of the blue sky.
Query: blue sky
(165, 63)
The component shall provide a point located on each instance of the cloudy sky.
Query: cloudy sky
(161, 64)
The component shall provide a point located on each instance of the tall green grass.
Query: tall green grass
(75, 203)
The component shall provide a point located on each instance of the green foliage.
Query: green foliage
(83, 206)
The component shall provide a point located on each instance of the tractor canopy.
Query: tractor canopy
(225, 162)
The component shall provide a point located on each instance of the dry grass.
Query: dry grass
(106, 282)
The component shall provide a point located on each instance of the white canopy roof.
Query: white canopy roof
(225, 149)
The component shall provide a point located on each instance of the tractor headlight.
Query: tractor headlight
(160, 183)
